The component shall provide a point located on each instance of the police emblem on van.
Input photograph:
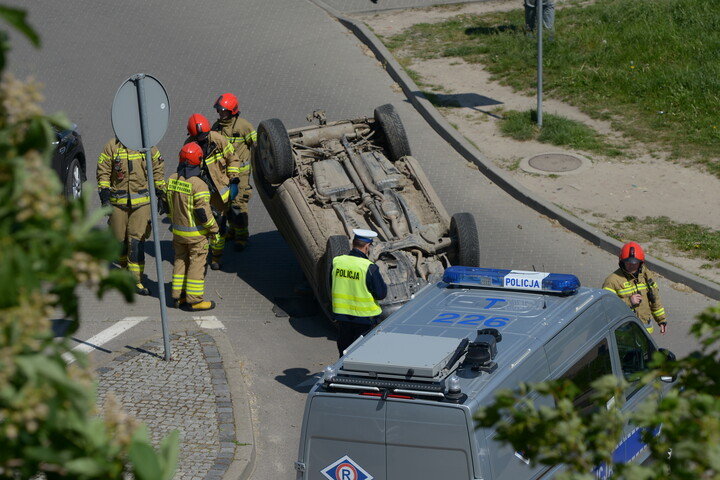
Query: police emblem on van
(345, 469)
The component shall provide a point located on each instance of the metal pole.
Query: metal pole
(539, 14)
(139, 79)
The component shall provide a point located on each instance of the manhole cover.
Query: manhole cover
(555, 162)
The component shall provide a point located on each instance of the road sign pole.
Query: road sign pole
(139, 80)
(540, 23)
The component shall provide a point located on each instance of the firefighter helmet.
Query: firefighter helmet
(197, 124)
(632, 251)
(227, 101)
(191, 153)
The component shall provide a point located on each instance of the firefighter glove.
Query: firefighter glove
(233, 190)
(104, 197)
(162, 203)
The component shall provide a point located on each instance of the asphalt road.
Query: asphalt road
(284, 59)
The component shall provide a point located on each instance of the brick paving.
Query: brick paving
(188, 393)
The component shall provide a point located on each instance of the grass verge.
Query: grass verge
(653, 68)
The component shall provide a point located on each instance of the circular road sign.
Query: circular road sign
(140, 104)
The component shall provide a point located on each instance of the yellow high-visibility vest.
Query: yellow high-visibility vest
(350, 295)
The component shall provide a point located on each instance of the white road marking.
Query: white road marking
(105, 336)
(210, 322)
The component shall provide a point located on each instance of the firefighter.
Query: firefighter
(123, 184)
(357, 285)
(241, 134)
(218, 160)
(192, 224)
(633, 282)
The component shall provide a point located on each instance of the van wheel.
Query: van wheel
(465, 240)
(394, 131)
(274, 153)
(336, 245)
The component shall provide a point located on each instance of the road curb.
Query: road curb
(245, 451)
(497, 175)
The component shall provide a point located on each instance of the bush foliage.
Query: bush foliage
(49, 248)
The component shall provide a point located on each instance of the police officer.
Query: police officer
(218, 160)
(633, 282)
(357, 285)
(192, 224)
(123, 184)
(241, 134)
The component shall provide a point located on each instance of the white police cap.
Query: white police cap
(364, 235)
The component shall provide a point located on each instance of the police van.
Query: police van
(399, 404)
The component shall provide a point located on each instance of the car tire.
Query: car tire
(393, 130)
(336, 245)
(274, 153)
(73, 180)
(465, 240)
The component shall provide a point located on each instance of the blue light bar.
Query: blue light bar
(561, 283)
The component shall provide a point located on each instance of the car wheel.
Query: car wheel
(394, 131)
(464, 235)
(274, 154)
(73, 180)
(336, 245)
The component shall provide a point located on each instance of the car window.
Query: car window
(593, 365)
(635, 350)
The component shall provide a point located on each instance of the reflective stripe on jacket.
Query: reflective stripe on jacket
(124, 172)
(350, 295)
(625, 285)
(186, 197)
(241, 134)
(219, 154)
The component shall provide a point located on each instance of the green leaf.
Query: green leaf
(16, 18)
(85, 467)
(169, 450)
(144, 460)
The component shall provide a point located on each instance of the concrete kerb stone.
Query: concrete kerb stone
(235, 454)
(497, 175)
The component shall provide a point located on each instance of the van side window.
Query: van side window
(635, 350)
(593, 365)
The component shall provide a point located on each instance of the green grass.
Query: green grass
(694, 240)
(556, 130)
(651, 67)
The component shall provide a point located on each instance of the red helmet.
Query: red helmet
(191, 153)
(632, 250)
(197, 124)
(227, 101)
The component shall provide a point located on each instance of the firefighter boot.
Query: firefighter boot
(136, 264)
(180, 302)
(204, 305)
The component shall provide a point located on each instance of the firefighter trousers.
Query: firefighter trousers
(239, 213)
(188, 278)
(131, 227)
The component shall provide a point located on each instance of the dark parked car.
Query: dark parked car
(68, 161)
(320, 182)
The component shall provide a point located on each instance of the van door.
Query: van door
(428, 441)
(634, 352)
(345, 438)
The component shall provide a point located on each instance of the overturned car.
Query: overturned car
(320, 182)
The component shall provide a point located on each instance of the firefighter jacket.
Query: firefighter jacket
(219, 154)
(242, 135)
(124, 172)
(356, 288)
(624, 285)
(190, 213)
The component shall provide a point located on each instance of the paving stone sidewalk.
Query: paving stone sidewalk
(189, 393)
